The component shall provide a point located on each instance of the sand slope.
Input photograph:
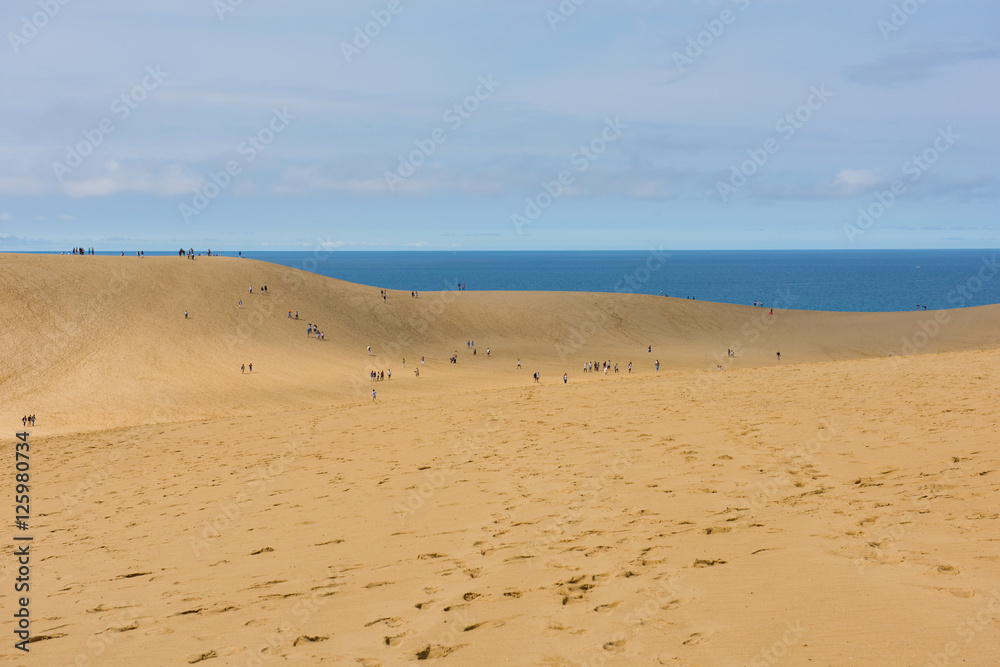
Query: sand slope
(837, 508)
(96, 342)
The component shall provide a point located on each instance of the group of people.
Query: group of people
(243, 368)
(84, 251)
(414, 295)
(380, 375)
(28, 419)
(189, 253)
(313, 329)
(605, 365)
(263, 289)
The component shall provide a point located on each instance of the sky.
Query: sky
(499, 124)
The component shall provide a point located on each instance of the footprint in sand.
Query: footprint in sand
(204, 656)
(436, 651)
(305, 639)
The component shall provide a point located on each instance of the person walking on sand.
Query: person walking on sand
(373, 395)
(657, 364)
(243, 368)
(487, 352)
(241, 303)
(185, 314)
(250, 366)
(24, 420)
(630, 367)
(369, 350)
(518, 364)
(779, 356)
(565, 378)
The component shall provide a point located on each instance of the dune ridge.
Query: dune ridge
(837, 507)
(102, 341)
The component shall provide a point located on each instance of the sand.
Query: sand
(836, 507)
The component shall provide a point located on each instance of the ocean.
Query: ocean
(838, 280)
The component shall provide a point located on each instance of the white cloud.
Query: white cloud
(172, 180)
(4, 215)
(850, 182)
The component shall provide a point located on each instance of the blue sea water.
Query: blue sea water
(840, 280)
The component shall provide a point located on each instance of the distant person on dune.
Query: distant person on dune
(779, 356)
(565, 378)
(373, 395)
(250, 366)
(657, 364)
(518, 364)
(630, 367)
(243, 368)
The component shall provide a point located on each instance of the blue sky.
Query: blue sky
(688, 125)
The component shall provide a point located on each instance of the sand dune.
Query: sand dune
(837, 507)
(97, 342)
